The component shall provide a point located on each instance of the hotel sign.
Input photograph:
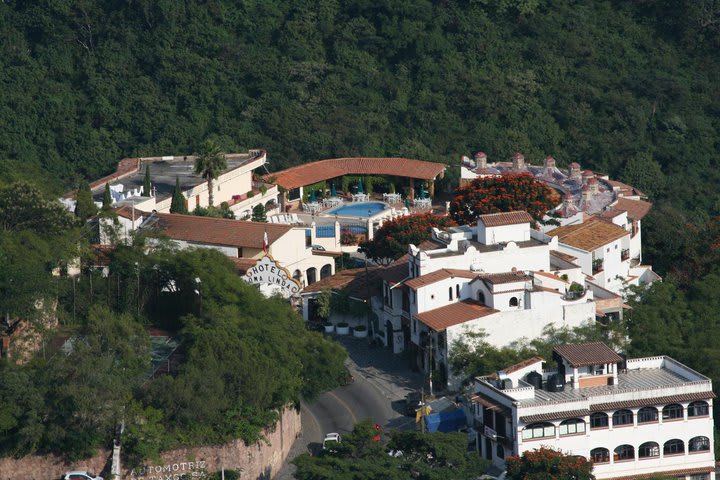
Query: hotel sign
(268, 271)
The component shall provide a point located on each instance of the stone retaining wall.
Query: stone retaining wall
(259, 461)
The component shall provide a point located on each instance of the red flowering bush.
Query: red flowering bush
(548, 464)
(504, 193)
(392, 239)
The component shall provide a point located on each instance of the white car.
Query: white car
(81, 475)
(331, 439)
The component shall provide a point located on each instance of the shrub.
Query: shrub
(360, 328)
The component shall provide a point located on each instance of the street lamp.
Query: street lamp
(198, 293)
(137, 270)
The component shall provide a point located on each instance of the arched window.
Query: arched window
(672, 411)
(647, 415)
(481, 297)
(572, 426)
(311, 275)
(326, 271)
(514, 302)
(449, 293)
(500, 451)
(699, 444)
(698, 409)
(649, 450)
(674, 447)
(624, 452)
(457, 291)
(538, 430)
(297, 275)
(622, 417)
(598, 420)
(600, 455)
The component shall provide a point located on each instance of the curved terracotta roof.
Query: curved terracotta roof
(314, 172)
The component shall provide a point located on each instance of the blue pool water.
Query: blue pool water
(358, 209)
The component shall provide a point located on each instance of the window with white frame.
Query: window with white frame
(572, 426)
(538, 430)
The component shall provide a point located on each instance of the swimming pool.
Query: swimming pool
(359, 209)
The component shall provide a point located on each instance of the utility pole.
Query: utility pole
(430, 365)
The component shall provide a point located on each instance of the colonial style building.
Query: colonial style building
(235, 185)
(244, 242)
(630, 417)
(499, 277)
(609, 251)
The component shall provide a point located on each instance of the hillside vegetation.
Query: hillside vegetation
(622, 87)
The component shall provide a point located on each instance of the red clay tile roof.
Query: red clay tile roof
(397, 271)
(454, 314)
(682, 397)
(487, 403)
(523, 364)
(314, 172)
(218, 231)
(243, 264)
(563, 256)
(505, 218)
(546, 417)
(355, 281)
(127, 212)
(437, 276)
(668, 474)
(584, 354)
(636, 209)
(625, 189)
(590, 235)
(505, 277)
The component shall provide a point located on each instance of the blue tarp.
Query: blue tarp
(445, 421)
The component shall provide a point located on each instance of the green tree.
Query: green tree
(84, 205)
(392, 239)
(178, 204)
(23, 207)
(209, 164)
(107, 197)
(643, 172)
(258, 213)
(504, 193)
(147, 185)
(548, 464)
(94, 382)
(432, 456)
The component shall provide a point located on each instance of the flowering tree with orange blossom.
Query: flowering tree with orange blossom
(548, 464)
(503, 193)
(392, 239)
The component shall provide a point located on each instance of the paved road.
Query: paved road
(381, 382)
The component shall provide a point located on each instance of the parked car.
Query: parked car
(413, 401)
(331, 439)
(81, 475)
(317, 248)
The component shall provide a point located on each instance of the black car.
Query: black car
(413, 401)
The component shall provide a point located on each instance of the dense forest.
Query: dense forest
(627, 88)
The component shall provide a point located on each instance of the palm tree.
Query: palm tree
(209, 164)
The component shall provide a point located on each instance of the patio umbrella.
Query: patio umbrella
(312, 197)
(333, 193)
(360, 187)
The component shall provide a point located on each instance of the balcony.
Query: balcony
(625, 254)
(597, 266)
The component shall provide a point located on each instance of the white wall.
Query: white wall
(505, 233)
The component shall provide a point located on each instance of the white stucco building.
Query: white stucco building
(243, 243)
(235, 185)
(610, 258)
(499, 277)
(629, 417)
